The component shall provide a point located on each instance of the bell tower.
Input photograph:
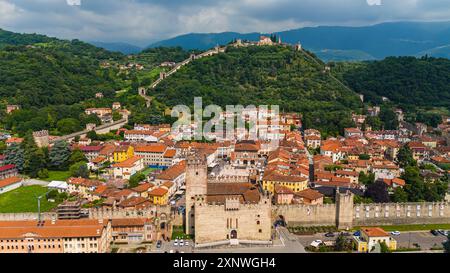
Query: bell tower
(196, 185)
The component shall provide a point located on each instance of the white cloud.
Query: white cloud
(144, 21)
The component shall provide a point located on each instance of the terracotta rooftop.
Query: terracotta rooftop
(219, 192)
(309, 194)
(128, 163)
(10, 181)
(374, 232)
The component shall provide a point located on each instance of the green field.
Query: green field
(58, 176)
(148, 171)
(414, 227)
(24, 199)
(178, 232)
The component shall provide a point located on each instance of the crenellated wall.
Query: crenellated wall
(364, 214)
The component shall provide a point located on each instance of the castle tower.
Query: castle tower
(196, 185)
(41, 138)
(344, 210)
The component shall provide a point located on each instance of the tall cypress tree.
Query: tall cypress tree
(34, 158)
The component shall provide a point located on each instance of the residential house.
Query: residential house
(127, 168)
(7, 171)
(122, 153)
(371, 237)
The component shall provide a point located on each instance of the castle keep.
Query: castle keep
(224, 211)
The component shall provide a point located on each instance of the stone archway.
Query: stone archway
(233, 234)
(280, 221)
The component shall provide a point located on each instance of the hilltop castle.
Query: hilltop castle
(224, 211)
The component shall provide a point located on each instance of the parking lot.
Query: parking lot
(424, 239)
(170, 247)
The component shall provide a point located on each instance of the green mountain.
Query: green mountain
(410, 81)
(124, 48)
(376, 41)
(36, 70)
(274, 75)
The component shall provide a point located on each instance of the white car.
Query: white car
(395, 233)
(186, 243)
(175, 243)
(316, 243)
(181, 242)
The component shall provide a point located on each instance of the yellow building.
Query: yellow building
(294, 183)
(122, 153)
(370, 237)
(159, 196)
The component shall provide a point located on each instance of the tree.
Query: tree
(34, 158)
(384, 248)
(79, 169)
(366, 179)
(364, 157)
(405, 157)
(341, 243)
(116, 116)
(43, 174)
(77, 156)
(92, 135)
(378, 192)
(2, 147)
(399, 196)
(59, 156)
(15, 155)
(389, 118)
(135, 179)
(69, 125)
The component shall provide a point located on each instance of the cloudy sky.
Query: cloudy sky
(141, 22)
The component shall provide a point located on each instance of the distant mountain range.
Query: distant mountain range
(124, 48)
(344, 43)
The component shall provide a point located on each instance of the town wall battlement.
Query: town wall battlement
(365, 214)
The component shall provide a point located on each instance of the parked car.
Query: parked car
(158, 244)
(357, 233)
(395, 233)
(316, 243)
(346, 234)
(186, 243)
(435, 232)
(329, 234)
(175, 243)
(181, 242)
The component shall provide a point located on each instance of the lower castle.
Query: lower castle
(224, 211)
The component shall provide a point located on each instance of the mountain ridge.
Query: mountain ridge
(377, 41)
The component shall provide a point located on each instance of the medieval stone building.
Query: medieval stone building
(224, 211)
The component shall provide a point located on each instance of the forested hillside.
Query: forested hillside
(38, 71)
(261, 76)
(409, 81)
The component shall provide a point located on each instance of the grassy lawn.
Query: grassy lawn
(415, 227)
(148, 171)
(24, 199)
(178, 231)
(58, 176)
